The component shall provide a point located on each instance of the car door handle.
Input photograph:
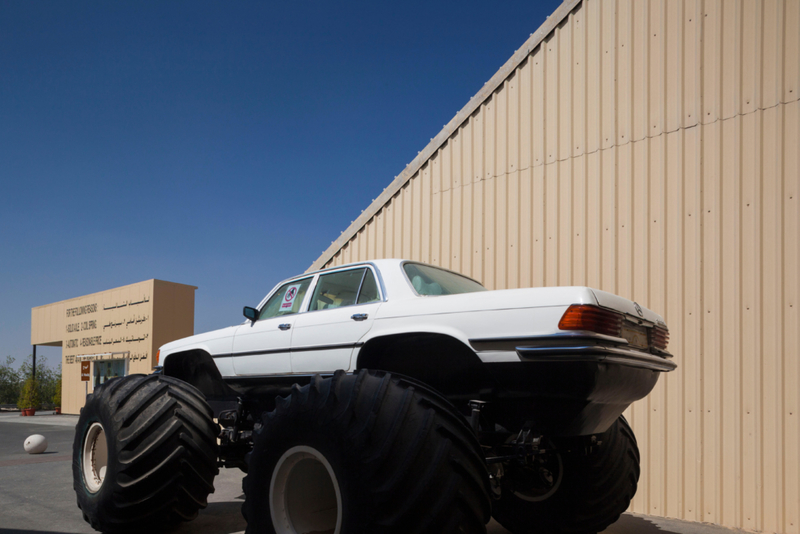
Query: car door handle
(359, 317)
(284, 326)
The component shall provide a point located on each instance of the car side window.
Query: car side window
(369, 289)
(286, 300)
(339, 289)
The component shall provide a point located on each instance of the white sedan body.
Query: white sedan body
(320, 334)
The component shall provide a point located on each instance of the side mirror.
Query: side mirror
(250, 313)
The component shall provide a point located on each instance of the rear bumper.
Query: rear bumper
(598, 354)
(566, 397)
(574, 347)
(571, 384)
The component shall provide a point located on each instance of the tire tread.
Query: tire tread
(162, 442)
(594, 492)
(395, 443)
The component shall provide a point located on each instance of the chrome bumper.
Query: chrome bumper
(597, 353)
(579, 347)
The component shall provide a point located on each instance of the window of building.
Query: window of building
(107, 369)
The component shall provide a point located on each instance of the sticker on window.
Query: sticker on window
(288, 298)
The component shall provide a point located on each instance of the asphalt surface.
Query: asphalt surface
(36, 495)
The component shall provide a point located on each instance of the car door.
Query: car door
(262, 347)
(341, 311)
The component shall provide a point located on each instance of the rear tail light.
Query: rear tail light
(591, 318)
(659, 337)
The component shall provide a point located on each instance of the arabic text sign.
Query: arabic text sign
(86, 371)
(113, 324)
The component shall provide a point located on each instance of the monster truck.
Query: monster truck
(387, 396)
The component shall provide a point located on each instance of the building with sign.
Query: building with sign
(650, 149)
(112, 333)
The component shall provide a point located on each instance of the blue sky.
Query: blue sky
(218, 144)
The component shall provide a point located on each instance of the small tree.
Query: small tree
(29, 397)
(45, 378)
(10, 382)
(57, 394)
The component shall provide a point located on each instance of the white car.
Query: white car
(447, 331)
(520, 392)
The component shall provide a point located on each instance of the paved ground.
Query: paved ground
(36, 495)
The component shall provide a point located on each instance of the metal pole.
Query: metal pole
(34, 362)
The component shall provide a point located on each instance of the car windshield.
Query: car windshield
(429, 281)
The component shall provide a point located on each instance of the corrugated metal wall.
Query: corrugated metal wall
(647, 148)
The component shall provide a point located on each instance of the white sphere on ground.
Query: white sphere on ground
(35, 444)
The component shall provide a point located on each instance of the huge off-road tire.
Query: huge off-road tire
(587, 492)
(366, 453)
(145, 454)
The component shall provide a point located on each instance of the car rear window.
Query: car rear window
(431, 281)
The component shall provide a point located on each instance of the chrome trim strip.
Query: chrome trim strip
(663, 353)
(288, 349)
(327, 347)
(557, 341)
(598, 353)
(499, 343)
(286, 378)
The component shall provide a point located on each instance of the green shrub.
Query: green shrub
(46, 379)
(10, 382)
(29, 397)
(57, 394)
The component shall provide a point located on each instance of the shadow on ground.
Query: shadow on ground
(628, 524)
(219, 517)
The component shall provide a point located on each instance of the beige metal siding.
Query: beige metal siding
(648, 148)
